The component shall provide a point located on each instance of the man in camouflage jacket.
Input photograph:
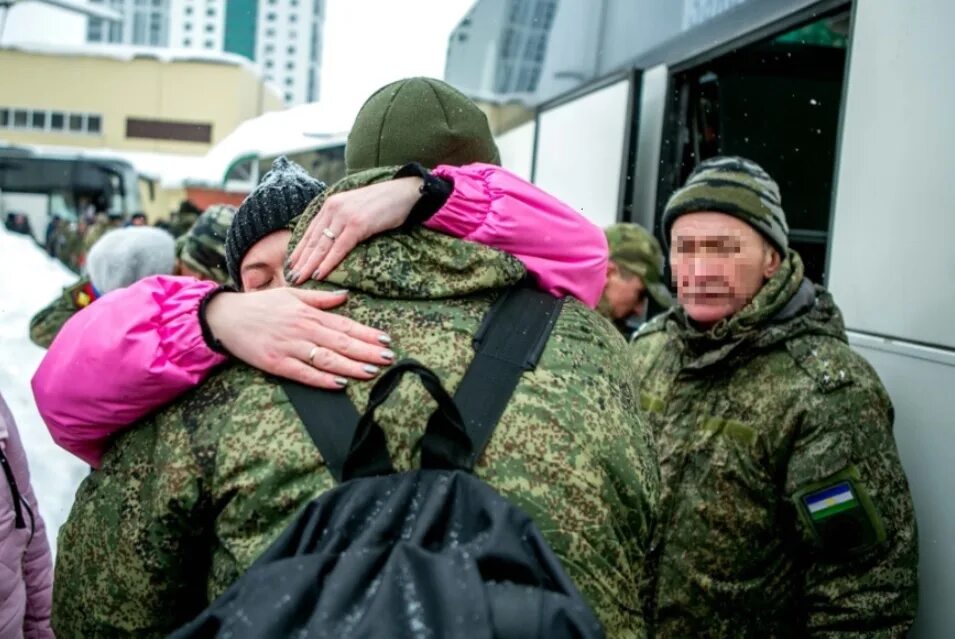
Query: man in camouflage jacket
(188, 499)
(785, 511)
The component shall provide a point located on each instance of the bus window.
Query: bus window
(776, 101)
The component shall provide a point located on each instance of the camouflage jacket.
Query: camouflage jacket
(186, 500)
(46, 324)
(756, 421)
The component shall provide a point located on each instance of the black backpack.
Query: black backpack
(434, 552)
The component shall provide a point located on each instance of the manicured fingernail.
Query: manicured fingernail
(317, 274)
(388, 354)
(294, 276)
(341, 291)
(371, 370)
(384, 339)
(341, 381)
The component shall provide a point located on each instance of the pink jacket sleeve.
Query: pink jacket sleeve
(117, 360)
(560, 248)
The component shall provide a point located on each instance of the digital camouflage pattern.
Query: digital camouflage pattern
(98, 229)
(187, 500)
(46, 324)
(734, 186)
(745, 415)
(635, 249)
(202, 248)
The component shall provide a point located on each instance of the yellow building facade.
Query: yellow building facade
(127, 99)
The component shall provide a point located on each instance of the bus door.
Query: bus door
(776, 101)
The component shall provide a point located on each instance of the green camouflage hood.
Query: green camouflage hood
(202, 249)
(788, 305)
(412, 264)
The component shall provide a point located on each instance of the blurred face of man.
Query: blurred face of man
(262, 267)
(625, 293)
(719, 264)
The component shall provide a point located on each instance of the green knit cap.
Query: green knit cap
(632, 247)
(734, 186)
(419, 120)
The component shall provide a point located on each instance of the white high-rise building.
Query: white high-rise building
(284, 37)
(145, 23)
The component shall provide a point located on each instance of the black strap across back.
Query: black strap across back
(509, 342)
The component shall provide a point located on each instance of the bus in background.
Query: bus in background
(38, 186)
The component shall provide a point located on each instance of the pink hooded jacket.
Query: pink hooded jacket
(138, 348)
(26, 568)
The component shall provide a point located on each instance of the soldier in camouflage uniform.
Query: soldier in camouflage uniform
(634, 271)
(104, 224)
(201, 251)
(187, 500)
(136, 253)
(181, 220)
(785, 511)
(45, 325)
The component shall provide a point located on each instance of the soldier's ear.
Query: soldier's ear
(771, 261)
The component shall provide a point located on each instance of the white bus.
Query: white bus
(851, 106)
(43, 184)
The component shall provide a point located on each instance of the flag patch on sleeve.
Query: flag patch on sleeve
(831, 501)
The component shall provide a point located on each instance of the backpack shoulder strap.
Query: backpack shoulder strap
(332, 422)
(509, 342)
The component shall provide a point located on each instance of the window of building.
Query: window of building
(188, 11)
(270, 33)
(209, 44)
(289, 97)
(270, 16)
(210, 28)
(291, 50)
(38, 120)
(292, 34)
(187, 42)
(157, 4)
(544, 14)
(76, 122)
(187, 26)
(57, 121)
(4, 117)
(211, 11)
(19, 118)
(270, 48)
(289, 81)
(290, 66)
(94, 124)
(168, 130)
(294, 3)
(293, 18)
(269, 64)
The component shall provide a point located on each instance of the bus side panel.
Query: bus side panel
(921, 383)
(891, 260)
(891, 264)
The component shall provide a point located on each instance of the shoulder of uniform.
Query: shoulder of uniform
(827, 361)
(655, 325)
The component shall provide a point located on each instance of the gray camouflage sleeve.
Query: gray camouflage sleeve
(845, 463)
(128, 563)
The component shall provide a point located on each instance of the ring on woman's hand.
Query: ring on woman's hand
(311, 355)
(329, 233)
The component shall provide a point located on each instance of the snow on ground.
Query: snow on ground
(29, 280)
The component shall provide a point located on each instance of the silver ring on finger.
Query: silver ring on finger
(311, 355)
(329, 233)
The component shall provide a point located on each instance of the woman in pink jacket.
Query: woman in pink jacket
(26, 569)
(138, 348)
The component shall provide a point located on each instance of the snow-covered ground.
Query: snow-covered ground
(29, 280)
